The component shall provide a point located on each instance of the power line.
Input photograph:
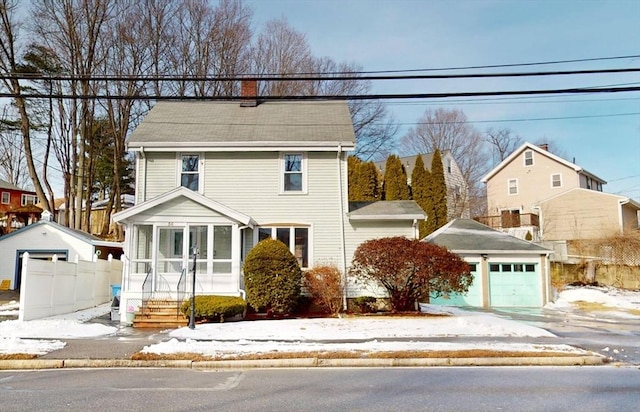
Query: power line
(301, 77)
(324, 97)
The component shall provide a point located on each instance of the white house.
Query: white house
(217, 177)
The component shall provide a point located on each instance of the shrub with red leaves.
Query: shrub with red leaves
(410, 270)
(324, 284)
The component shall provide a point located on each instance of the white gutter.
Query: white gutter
(342, 234)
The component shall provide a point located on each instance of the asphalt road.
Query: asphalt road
(602, 388)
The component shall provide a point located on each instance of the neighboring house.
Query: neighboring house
(457, 191)
(580, 214)
(507, 271)
(99, 213)
(44, 239)
(217, 177)
(517, 185)
(17, 207)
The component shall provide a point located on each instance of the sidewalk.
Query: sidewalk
(116, 350)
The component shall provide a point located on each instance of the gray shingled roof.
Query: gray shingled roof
(409, 162)
(6, 185)
(226, 124)
(386, 210)
(466, 235)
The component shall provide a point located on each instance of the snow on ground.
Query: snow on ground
(618, 302)
(367, 334)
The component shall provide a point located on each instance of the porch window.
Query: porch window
(198, 241)
(170, 250)
(190, 174)
(6, 198)
(222, 249)
(143, 241)
(296, 238)
(293, 179)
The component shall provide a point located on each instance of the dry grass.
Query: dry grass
(17, 356)
(599, 307)
(469, 353)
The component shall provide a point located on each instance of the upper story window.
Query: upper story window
(6, 198)
(556, 180)
(293, 173)
(513, 186)
(448, 165)
(28, 199)
(190, 171)
(528, 158)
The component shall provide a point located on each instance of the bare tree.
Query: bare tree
(443, 129)
(503, 142)
(9, 63)
(12, 162)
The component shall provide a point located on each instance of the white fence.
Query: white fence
(56, 287)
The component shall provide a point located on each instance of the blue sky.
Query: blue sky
(412, 34)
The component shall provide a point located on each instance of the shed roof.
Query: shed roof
(78, 234)
(467, 235)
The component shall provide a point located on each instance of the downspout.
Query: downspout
(342, 234)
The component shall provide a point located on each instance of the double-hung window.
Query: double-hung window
(293, 173)
(6, 198)
(513, 186)
(28, 199)
(190, 171)
(528, 158)
(556, 180)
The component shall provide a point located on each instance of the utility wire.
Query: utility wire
(295, 77)
(325, 97)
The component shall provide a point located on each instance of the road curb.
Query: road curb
(24, 364)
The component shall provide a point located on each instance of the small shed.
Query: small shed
(45, 239)
(508, 271)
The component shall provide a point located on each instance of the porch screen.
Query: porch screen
(143, 241)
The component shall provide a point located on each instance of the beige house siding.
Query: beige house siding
(598, 215)
(534, 183)
(161, 172)
(629, 218)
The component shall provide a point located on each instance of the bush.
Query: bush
(364, 304)
(324, 284)
(214, 308)
(272, 278)
(410, 270)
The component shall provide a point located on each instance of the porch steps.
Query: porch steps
(159, 314)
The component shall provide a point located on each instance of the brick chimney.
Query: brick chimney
(544, 146)
(249, 93)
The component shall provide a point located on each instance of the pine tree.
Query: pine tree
(368, 182)
(438, 216)
(420, 191)
(353, 174)
(395, 180)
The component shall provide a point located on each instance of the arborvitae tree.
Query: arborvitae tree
(438, 216)
(395, 180)
(368, 182)
(420, 191)
(353, 174)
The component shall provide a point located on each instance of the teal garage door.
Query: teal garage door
(472, 298)
(514, 284)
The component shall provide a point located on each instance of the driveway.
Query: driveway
(615, 337)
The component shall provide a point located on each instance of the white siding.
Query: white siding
(161, 173)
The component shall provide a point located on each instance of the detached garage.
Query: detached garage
(45, 239)
(507, 271)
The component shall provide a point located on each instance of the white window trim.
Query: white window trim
(560, 176)
(200, 169)
(8, 194)
(23, 199)
(509, 187)
(524, 161)
(304, 190)
(291, 227)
